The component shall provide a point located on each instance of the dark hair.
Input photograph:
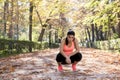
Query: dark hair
(70, 32)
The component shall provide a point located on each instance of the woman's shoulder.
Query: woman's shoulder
(75, 40)
(63, 40)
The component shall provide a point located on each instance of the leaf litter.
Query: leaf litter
(41, 65)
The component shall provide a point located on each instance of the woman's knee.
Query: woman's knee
(59, 57)
(79, 56)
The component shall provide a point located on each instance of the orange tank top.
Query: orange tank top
(67, 49)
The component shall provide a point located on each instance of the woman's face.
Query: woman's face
(70, 38)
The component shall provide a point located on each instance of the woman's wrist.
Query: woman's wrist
(67, 57)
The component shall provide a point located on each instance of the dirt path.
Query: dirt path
(95, 65)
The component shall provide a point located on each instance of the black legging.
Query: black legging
(62, 59)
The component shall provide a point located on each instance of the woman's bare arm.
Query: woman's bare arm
(61, 48)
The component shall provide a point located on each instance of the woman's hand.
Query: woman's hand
(68, 60)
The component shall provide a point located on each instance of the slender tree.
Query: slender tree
(30, 20)
(10, 33)
(17, 20)
(30, 24)
(5, 16)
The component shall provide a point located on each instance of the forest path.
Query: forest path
(41, 65)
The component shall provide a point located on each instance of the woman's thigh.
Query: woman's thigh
(76, 57)
(60, 58)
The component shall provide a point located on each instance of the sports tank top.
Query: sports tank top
(68, 50)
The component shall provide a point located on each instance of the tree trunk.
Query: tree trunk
(118, 29)
(93, 35)
(45, 24)
(30, 20)
(109, 25)
(50, 35)
(89, 38)
(10, 33)
(17, 20)
(113, 29)
(43, 29)
(88, 32)
(118, 25)
(101, 37)
(56, 36)
(30, 24)
(96, 31)
(42, 33)
(105, 35)
(5, 16)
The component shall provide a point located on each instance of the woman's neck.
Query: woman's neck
(70, 42)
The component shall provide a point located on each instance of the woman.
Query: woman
(69, 51)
